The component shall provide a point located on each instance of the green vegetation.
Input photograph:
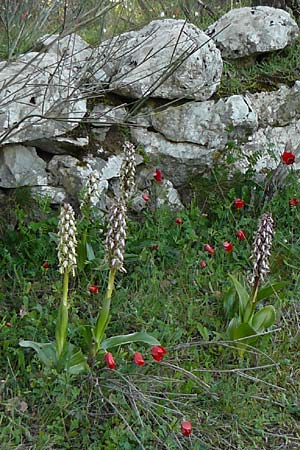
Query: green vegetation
(243, 403)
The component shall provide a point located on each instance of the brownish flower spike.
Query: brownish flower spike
(116, 236)
(127, 172)
(262, 249)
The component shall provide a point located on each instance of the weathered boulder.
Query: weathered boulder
(250, 31)
(37, 99)
(167, 59)
(179, 160)
(210, 124)
(72, 51)
(263, 150)
(277, 108)
(21, 166)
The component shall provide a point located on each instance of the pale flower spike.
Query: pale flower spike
(127, 172)
(67, 257)
(262, 249)
(116, 236)
(91, 189)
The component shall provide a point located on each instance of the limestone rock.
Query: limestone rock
(166, 59)
(72, 50)
(178, 160)
(37, 99)
(208, 123)
(21, 166)
(250, 31)
(61, 144)
(55, 195)
(264, 148)
(277, 108)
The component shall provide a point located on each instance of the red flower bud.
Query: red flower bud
(8, 324)
(155, 246)
(178, 220)
(158, 176)
(158, 352)
(241, 235)
(45, 265)
(146, 197)
(238, 203)
(203, 264)
(186, 428)
(138, 359)
(293, 202)
(288, 158)
(209, 249)
(93, 289)
(110, 360)
(228, 246)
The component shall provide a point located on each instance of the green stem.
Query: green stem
(62, 317)
(254, 292)
(103, 316)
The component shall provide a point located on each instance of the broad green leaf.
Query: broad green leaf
(230, 303)
(81, 254)
(128, 339)
(73, 361)
(90, 252)
(264, 318)
(267, 291)
(237, 330)
(242, 294)
(46, 352)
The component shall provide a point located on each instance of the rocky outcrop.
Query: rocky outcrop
(166, 59)
(21, 166)
(251, 31)
(37, 99)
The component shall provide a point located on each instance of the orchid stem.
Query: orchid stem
(103, 316)
(62, 317)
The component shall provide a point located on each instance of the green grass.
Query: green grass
(245, 404)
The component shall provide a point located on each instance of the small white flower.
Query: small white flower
(162, 14)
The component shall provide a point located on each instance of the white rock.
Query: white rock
(37, 99)
(208, 123)
(277, 108)
(250, 31)
(178, 160)
(21, 166)
(55, 195)
(264, 149)
(167, 59)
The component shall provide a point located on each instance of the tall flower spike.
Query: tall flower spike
(127, 172)
(262, 249)
(91, 189)
(116, 236)
(67, 240)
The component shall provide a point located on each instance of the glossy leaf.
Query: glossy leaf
(129, 339)
(264, 318)
(242, 294)
(267, 291)
(230, 302)
(237, 330)
(90, 252)
(46, 352)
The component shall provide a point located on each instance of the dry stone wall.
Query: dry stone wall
(62, 107)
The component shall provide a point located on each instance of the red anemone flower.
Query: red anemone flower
(238, 203)
(138, 359)
(178, 220)
(288, 158)
(93, 289)
(293, 202)
(158, 352)
(228, 246)
(45, 265)
(146, 197)
(158, 176)
(186, 428)
(208, 248)
(203, 264)
(241, 235)
(110, 360)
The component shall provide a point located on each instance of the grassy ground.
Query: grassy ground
(249, 403)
